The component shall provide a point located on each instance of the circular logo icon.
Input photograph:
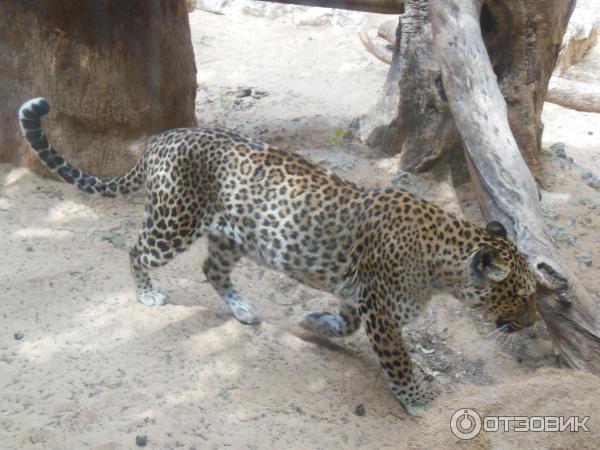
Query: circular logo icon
(465, 423)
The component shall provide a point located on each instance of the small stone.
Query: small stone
(591, 133)
(549, 212)
(19, 335)
(360, 410)
(558, 148)
(141, 441)
(591, 179)
(39, 436)
(243, 92)
(584, 258)
(259, 93)
(29, 249)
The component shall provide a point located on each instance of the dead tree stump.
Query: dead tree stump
(113, 71)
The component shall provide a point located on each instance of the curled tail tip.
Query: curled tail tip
(34, 108)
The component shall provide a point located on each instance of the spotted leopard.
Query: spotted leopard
(381, 251)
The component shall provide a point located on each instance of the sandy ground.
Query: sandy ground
(91, 368)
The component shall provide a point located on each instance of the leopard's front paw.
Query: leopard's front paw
(413, 397)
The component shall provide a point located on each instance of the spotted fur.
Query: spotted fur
(382, 252)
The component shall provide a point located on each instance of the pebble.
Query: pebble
(558, 148)
(360, 410)
(549, 212)
(19, 335)
(259, 93)
(141, 441)
(584, 258)
(243, 92)
(591, 179)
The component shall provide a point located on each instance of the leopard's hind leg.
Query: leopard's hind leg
(223, 253)
(162, 237)
(343, 323)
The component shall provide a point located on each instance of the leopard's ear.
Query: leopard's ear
(486, 263)
(496, 229)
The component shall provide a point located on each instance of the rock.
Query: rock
(558, 149)
(38, 435)
(141, 441)
(19, 335)
(591, 179)
(549, 212)
(561, 235)
(584, 258)
(243, 91)
(312, 18)
(360, 410)
(259, 93)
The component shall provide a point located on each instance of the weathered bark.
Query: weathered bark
(574, 95)
(113, 71)
(507, 191)
(582, 33)
(422, 129)
(375, 6)
(522, 38)
(567, 93)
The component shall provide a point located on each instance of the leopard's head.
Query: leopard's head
(500, 278)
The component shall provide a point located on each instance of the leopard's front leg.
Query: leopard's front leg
(386, 340)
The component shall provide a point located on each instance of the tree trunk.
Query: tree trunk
(506, 189)
(483, 67)
(113, 71)
(420, 127)
(522, 39)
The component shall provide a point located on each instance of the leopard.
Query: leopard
(382, 252)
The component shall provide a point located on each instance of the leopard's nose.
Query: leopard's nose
(528, 320)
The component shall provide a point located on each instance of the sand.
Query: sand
(92, 368)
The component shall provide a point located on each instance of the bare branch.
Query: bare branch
(376, 6)
(574, 95)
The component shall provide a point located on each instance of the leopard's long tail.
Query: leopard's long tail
(30, 115)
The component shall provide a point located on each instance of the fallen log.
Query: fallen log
(374, 6)
(574, 95)
(505, 187)
(382, 54)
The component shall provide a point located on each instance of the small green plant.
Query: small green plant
(116, 240)
(336, 137)
(224, 99)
